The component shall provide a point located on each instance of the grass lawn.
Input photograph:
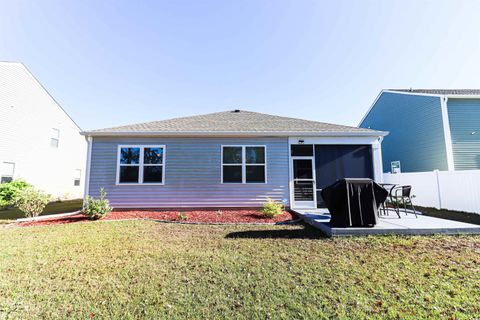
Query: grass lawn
(451, 215)
(145, 269)
(51, 208)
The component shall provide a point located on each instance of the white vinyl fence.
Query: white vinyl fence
(453, 190)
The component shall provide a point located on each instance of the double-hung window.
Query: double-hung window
(244, 164)
(7, 170)
(54, 137)
(77, 177)
(141, 165)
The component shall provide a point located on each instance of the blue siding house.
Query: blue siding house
(227, 159)
(428, 129)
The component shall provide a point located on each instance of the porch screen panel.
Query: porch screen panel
(334, 162)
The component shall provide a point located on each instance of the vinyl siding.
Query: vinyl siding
(464, 119)
(192, 174)
(27, 115)
(415, 127)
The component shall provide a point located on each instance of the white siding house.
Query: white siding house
(39, 142)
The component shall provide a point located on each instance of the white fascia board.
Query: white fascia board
(462, 96)
(414, 93)
(371, 107)
(453, 96)
(40, 85)
(234, 134)
(335, 140)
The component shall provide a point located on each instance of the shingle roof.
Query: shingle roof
(233, 122)
(442, 91)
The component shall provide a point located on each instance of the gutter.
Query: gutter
(372, 133)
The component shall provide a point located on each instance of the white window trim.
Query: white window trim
(5, 175)
(140, 165)
(243, 164)
(79, 178)
(56, 138)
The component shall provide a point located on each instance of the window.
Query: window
(243, 164)
(54, 138)
(141, 164)
(302, 150)
(77, 177)
(7, 170)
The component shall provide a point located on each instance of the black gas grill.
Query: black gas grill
(354, 202)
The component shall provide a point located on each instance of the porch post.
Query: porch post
(377, 160)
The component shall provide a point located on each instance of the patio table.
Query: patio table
(389, 187)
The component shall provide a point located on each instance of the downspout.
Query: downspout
(447, 134)
(87, 173)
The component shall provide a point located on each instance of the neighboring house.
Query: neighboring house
(227, 159)
(428, 129)
(39, 142)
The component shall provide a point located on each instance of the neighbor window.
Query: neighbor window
(77, 177)
(54, 138)
(7, 170)
(141, 164)
(243, 164)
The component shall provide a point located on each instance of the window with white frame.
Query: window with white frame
(77, 177)
(243, 164)
(7, 171)
(54, 137)
(141, 165)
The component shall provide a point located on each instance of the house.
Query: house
(39, 142)
(428, 129)
(227, 159)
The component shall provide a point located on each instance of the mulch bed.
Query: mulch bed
(185, 216)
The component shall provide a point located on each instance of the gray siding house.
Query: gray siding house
(429, 129)
(227, 159)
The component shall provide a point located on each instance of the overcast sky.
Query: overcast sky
(117, 62)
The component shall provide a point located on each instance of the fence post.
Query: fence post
(437, 174)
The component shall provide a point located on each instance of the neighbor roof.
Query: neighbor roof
(235, 122)
(441, 91)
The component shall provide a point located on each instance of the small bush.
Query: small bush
(97, 208)
(9, 192)
(31, 201)
(271, 209)
(182, 216)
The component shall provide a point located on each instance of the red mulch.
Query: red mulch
(198, 216)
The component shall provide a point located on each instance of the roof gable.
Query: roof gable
(232, 122)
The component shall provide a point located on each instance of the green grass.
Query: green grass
(467, 217)
(144, 269)
(51, 208)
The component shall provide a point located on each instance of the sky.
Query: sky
(117, 62)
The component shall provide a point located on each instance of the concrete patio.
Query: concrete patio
(389, 224)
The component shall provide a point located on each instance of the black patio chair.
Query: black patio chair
(402, 195)
(389, 200)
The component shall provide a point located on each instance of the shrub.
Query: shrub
(182, 216)
(9, 192)
(97, 208)
(31, 201)
(271, 209)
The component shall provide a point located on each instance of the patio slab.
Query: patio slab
(389, 224)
